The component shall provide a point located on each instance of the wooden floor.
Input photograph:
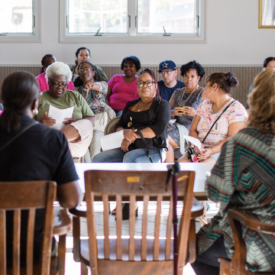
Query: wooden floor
(73, 268)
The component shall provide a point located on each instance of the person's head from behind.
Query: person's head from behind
(130, 65)
(20, 93)
(269, 62)
(58, 75)
(192, 73)
(82, 54)
(219, 84)
(147, 85)
(168, 71)
(46, 61)
(87, 74)
(262, 102)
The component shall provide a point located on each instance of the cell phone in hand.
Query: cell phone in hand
(181, 103)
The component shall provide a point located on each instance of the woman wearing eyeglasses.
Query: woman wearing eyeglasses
(94, 92)
(144, 125)
(79, 128)
(122, 87)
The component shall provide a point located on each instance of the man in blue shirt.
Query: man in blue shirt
(169, 83)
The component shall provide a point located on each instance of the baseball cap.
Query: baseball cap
(167, 64)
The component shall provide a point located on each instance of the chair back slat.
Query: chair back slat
(185, 222)
(106, 226)
(118, 227)
(30, 236)
(3, 265)
(48, 229)
(91, 224)
(157, 228)
(132, 223)
(168, 231)
(16, 241)
(27, 196)
(144, 228)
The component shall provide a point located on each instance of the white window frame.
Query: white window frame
(132, 36)
(34, 37)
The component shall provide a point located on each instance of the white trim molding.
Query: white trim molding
(131, 36)
(34, 37)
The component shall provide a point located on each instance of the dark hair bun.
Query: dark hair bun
(231, 80)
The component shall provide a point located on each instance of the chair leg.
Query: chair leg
(61, 254)
(84, 269)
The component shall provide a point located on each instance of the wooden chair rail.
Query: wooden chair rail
(251, 222)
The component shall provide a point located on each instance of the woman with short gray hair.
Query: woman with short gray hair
(79, 128)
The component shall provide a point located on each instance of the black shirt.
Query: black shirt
(165, 92)
(156, 118)
(41, 153)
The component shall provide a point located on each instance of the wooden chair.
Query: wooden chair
(237, 265)
(135, 255)
(18, 196)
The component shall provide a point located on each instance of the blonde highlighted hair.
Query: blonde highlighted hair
(262, 102)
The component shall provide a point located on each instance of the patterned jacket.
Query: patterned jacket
(244, 178)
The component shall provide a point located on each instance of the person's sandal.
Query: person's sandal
(113, 212)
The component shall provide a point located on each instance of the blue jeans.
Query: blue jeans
(133, 156)
(118, 112)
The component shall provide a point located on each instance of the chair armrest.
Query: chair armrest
(79, 211)
(64, 224)
(250, 222)
(196, 209)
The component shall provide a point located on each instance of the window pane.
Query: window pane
(16, 16)
(90, 15)
(268, 12)
(176, 16)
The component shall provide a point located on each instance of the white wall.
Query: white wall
(232, 38)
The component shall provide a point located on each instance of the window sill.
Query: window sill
(20, 38)
(131, 39)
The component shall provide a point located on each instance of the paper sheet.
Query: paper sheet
(194, 141)
(111, 141)
(59, 115)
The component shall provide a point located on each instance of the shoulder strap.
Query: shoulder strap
(217, 120)
(18, 135)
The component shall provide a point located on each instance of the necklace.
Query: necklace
(190, 93)
(141, 107)
(214, 110)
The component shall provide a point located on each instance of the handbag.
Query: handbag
(191, 150)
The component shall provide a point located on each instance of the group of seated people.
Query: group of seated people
(241, 145)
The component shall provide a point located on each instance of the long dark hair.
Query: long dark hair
(78, 82)
(152, 74)
(78, 51)
(19, 90)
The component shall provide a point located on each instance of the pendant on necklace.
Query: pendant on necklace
(130, 122)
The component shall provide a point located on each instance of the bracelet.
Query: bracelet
(211, 152)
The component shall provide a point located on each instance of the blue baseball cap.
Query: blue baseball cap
(167, 64)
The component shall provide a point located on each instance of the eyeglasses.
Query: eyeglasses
(148, 83)
(63, 85)
(164, 73)
(85, 70)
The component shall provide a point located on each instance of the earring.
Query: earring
(35, 112)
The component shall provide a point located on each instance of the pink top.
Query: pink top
(122, 92)
(1, 112)
(44, 86)
(236, 112)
